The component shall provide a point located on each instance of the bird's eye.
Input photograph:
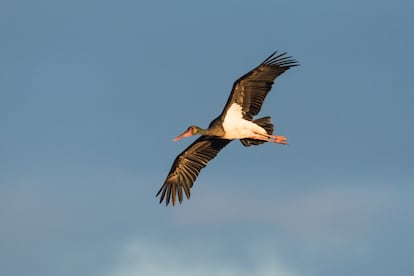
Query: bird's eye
(193, 130)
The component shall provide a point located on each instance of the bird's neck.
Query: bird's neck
(213, 130)
(202, 131)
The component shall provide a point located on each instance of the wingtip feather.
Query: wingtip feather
(281, 60)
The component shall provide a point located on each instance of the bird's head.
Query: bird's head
(192, 130)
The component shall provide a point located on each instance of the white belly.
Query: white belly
(235, 127)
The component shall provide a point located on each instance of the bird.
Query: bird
(236, 121)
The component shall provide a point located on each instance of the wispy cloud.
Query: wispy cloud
(143, 257)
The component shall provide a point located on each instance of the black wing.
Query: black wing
(188, 165)
(250, 90)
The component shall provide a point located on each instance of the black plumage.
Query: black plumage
(249, 92)
(188, 165)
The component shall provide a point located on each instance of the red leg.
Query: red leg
(270, 138)
(279, 139)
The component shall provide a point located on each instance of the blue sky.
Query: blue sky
(92, 93)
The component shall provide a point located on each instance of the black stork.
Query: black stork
(235, 122)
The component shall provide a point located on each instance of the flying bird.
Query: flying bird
(235, 122)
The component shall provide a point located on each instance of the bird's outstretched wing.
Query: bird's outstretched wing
(188, 165)
(250, 90)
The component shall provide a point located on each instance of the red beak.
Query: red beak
(186, 133)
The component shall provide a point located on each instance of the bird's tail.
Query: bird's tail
(266, 123)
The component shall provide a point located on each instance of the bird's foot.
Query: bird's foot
(279, 140)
